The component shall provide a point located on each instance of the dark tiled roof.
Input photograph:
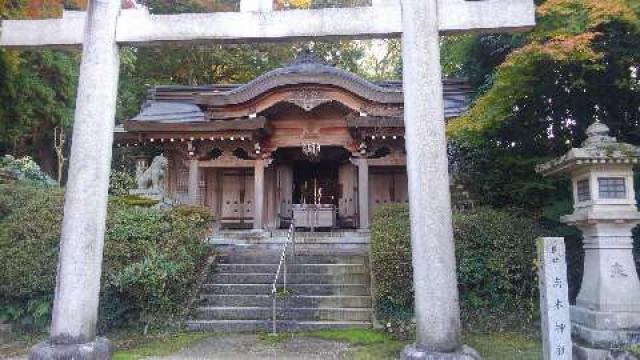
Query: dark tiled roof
(176, 103)
(169, 112)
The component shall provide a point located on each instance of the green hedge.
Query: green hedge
(151, 258)
(495, 253)
(26, 171)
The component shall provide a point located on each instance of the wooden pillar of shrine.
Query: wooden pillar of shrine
(258, 181)
(363, 193)
(193, 185)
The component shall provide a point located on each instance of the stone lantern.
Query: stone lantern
(607, 310)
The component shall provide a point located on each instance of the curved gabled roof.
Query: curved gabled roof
(305, 72)
(175, 103)
(305, 69)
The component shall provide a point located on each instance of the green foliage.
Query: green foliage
(538, 91)
(136, 200)
(559, 71)
(353, 336)
(26, 170)
(282, 293)
(504, 178)
(196, 211)
(30, 219)
(37, 94)
(505, 345)
(475, 57)
(391, 259)
(120, 182)
(160, 347)
(495, 253)
(151, 258)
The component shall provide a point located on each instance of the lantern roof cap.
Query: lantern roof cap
(599, 148)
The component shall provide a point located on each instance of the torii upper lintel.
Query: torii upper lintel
(137, 27)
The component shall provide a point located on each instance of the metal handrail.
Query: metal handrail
(291, 238)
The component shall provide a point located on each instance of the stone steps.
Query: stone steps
(327, 288)
(356, 241)
(266, 325)
(296, 289)
(300, 301)
(274, 258)
(329, 269)
(292, 278)
(266, 313)
(235, 236)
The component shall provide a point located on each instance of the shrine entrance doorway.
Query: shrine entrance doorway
(237, 194)
(315, 182)
(316, 193)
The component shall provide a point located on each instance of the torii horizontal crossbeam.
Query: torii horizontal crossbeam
(138, 27)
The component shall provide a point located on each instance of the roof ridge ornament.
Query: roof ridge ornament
(306, 57)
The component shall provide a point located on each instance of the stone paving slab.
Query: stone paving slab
(249, 347)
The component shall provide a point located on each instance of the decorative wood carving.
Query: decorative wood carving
(308, 98)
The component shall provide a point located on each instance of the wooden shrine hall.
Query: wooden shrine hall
(307, 142)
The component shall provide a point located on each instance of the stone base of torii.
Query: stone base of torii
(73, 328)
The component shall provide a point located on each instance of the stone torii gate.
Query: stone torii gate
(105, 26)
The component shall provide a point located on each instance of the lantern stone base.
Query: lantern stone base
(582, 352)
(598, 335)
(413, 352)
(605, 320)
(99, 349)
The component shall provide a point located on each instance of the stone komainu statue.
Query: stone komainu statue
(153, 177)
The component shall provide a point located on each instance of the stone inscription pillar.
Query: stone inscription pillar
(258, 182)
(363, 193)
(554, 299)
(193, 186)
(75, 307)
(434, 264)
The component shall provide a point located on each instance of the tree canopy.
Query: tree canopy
(37, 90)
(538, 91)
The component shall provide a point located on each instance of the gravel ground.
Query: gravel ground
(249, 347)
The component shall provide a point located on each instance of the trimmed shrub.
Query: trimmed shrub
(136, 200)
(30, 219)
(26, 170)
(120, 182)
(495, 253)
(151, 258)
(391, 261)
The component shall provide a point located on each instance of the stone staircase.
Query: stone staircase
(319, 242)
(329, 288)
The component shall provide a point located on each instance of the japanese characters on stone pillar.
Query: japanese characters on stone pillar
(607, 310)
(420, 22)
(554, 299)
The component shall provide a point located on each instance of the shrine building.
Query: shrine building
(307, 142)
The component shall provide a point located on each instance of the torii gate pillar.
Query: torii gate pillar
(75, 307)
(434, 263)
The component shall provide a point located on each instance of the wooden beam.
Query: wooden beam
(138, 27)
